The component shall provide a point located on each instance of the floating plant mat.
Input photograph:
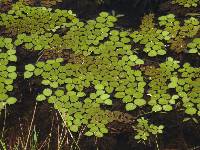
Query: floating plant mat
(87, 68)
(7, 71)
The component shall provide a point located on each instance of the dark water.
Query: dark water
(176, 136)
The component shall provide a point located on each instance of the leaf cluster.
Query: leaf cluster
(144, 129)
(25, 19)
(151, 37)
(186, 3)
(7, 72)
(178, 32)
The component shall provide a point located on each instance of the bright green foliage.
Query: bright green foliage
(185, 80)
(82, 38)
(104, 65)
(72, 79)
(151, 37)
(7, 71)
(26, 19)
(40, 97)
(189, 29)
(86, 38)
(179, 32)
(130, 106)
(160, 99)
(188, 88)
(194, 46)
(40, 42)
(186, 3)
(47, 92)
(145, 130)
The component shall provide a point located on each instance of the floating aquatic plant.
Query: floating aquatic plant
(185, 80)
(98, 65)
(24, 19)
(101, 67)
(7, 71)
(82, 38)
(186, 3)
(194, 46)
(179, 33)
(151, 37)
(144, 130)
(40, 42)
(188, 88)
(160, 99)
(66, 86)
(85, 38)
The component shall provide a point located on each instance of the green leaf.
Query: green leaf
(11, 52)
(114, 32)
(40, 97)
(119, 94)
(186, 119)
(81, 94)
(11, 100)
(130, 106)
(127, 99)
(45, 82)
(47, 92)
(52, 99)
(3, 96)
(172, 85)
(98, 134)
(12, 58)
(167, 107)
(74, 128)
(29, 67)
(193, 50)
(104, 14)
(28, 74)
(140, 102)
(152, 53)
(38, 71)
(156, 108)
(40, 64)
(139, 62)
(108, 102)
(54, 84)
(165, 33)
(88, 133)
(191, 111)
(2, 105)
(99, 87)
(8, 81)
(28, 45)
(133, 57)
(11, 68)
(175, 97)
(59, 93)
(70, 87)
(59, 60)
(104, 130)
(9, 87)
(161, 52)
(12, 75)
(104, 96)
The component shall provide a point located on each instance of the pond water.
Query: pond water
(45, 122)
